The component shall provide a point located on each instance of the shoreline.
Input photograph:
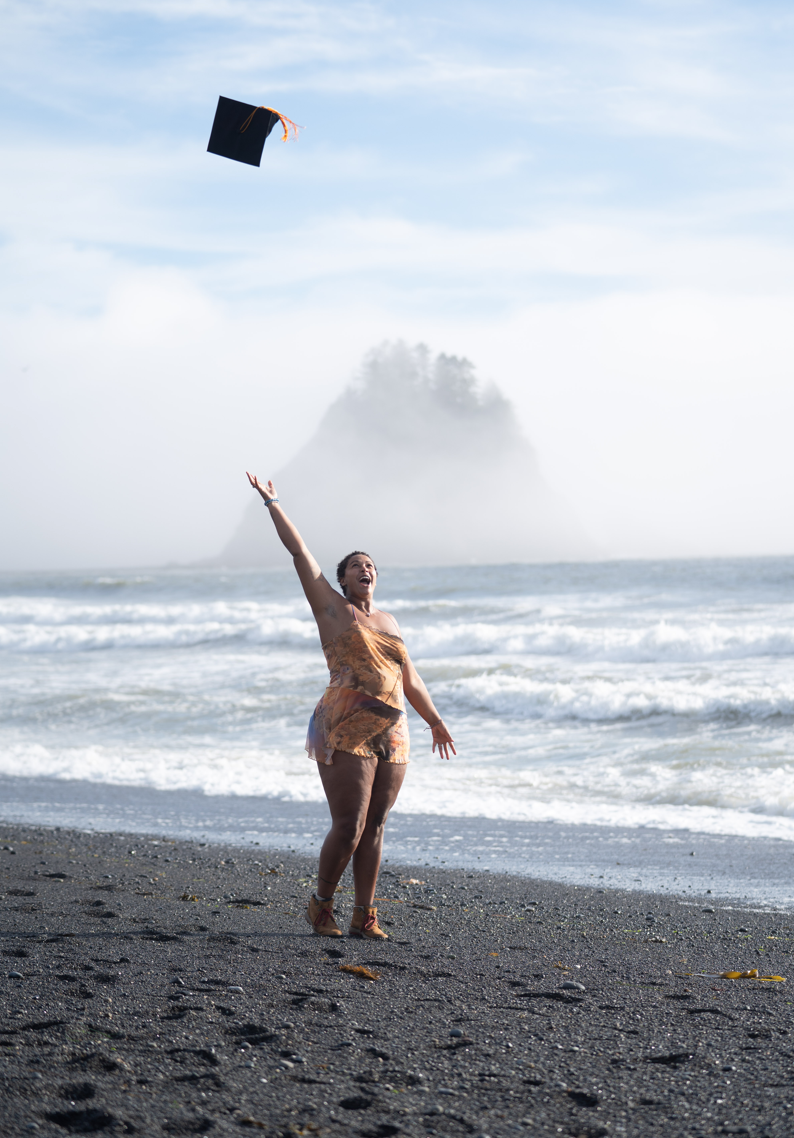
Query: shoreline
(165, 987)
(643, 859)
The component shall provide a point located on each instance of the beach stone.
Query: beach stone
(456, 1033)
(572, 985)
(234, 988)
(15, 976)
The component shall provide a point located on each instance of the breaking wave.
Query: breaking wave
(632, 695)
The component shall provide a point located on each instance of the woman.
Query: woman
(358, 734)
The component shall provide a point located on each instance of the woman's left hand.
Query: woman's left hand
(443, 740)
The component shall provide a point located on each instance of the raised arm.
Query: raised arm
(419, 698)
(325, 601)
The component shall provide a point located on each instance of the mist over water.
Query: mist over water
(642, 693)
(421, 462)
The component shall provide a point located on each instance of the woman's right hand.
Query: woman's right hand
(267, 491)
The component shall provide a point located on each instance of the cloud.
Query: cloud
(590, 200)
(667, 70)
(73, 252)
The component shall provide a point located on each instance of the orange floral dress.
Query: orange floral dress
(363, 708)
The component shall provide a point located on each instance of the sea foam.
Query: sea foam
(656, 694)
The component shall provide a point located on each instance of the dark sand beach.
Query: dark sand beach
(152, 986)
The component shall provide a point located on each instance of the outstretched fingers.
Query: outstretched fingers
(444, 741)
(267, 491)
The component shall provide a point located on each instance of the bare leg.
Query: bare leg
(347, 783)
(360, 793)
(366, 859)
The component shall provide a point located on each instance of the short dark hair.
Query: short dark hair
(341, 568)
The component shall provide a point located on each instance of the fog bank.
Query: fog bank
(419, 464)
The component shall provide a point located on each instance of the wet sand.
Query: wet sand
(753, 868)
(169, 987)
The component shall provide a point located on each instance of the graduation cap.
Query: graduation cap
(240, 130)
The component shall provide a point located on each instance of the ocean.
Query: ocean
(644, 695)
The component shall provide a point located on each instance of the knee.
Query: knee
(348, 830)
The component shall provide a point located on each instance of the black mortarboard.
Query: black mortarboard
(240, 130)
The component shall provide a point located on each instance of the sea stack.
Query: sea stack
(418, 464)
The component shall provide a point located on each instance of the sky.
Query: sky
(591, 201)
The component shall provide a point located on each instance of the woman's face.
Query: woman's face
(360, 577)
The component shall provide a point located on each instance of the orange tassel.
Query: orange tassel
(290, 127)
